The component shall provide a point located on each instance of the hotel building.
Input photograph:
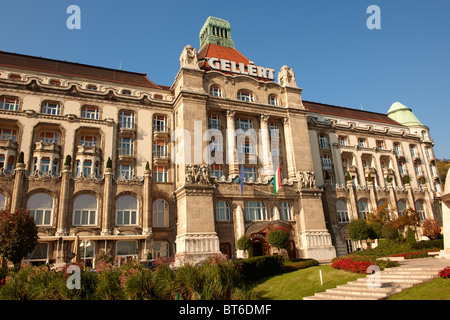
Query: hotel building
(106, 159)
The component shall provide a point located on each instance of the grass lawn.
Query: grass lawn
(436, 289)
(302, 283)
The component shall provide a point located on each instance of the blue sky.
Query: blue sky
(336, 58)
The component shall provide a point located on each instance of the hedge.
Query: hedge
(259, 267)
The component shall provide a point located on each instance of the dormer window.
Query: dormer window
(56, 83)
(215, 91)
(15, 77)
(52, 108)
(158, 97)
(126, 92)
(9, 103)
(92, 87)
(273, 100)
(245, 96)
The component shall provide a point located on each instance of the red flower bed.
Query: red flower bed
(412, 255)
(352, 265)
(445, 273)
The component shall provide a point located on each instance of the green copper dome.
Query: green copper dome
(402, 114)
(216, 31)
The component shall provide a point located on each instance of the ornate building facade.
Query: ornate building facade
(106, 159)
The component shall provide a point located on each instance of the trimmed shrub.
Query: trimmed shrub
(431, 244)
(259, 267)
(297, 264)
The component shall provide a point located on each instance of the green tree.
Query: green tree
(18, 235)
(244, 243)
(278, 239)
(358, 230)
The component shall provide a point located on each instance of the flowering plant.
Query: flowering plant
(445, 273)
(352, 265)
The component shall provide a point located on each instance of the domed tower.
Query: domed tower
(403, 115)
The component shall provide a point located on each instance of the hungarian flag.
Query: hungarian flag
(277, 181)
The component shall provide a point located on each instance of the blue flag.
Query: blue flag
(241, 178)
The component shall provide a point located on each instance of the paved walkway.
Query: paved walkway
(425, 263)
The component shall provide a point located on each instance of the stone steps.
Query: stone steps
(391, 281)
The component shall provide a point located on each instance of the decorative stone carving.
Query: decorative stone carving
(306, 180)
(198, 174)
(188, 58)
(286, 77)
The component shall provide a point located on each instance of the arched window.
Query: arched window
(342, 211)
(84, 210)
(401, 206)
(160, 213)
(245, 95)
(215, 91)
(420, 209)
(2, 202)
(222, 211)
(363, 209)
(40, 206)
(126, 211)
(273, 100)
(286, 211)
(255, 211)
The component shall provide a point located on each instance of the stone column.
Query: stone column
(64, 196)
(19, 176)
(392, 198)
(289, 148)
(265, 154)
(239, 222)
(108, 198)
(147, 204)
(233, 167)
(352, 196)
(372, 195)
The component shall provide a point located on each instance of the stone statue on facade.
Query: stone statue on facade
(306, 180)
(188, 58)
(286, 77)
(198, 174)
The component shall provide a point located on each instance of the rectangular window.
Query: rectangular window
(49, 137)
(9, 103)
(88, 141)
(217, 171)
(8, 134)
(160, 149)
(126, 217)
(45, 165)
(126, 146)
(343, 141)
(126, 171)
(214, 122)
(160, 124)
(323, 142)
(160, 249)
(249, 173)
(413, 151)
(87, 168)
(41, 216)
(362, 143)
(126, 120)
(326, 162)
(244, 124)
(84, 217)
(52, 108)
(215, 91)
(90, 112)
(160, 174)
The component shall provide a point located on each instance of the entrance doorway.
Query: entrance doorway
(260, 248)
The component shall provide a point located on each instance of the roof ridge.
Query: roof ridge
(348, 108)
